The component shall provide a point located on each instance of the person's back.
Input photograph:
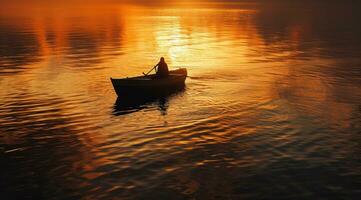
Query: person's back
(162, 70)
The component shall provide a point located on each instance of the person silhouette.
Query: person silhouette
(162, 68)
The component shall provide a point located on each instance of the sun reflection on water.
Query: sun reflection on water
(263, 95)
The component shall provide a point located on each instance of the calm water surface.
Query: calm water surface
(271, 108)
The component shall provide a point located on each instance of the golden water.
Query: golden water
(271, 108)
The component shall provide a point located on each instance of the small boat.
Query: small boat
(150, 84)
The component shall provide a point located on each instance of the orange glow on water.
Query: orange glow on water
(126, 41)
(268, 92)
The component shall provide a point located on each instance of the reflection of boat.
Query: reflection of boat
(129, 104)
(150, 84)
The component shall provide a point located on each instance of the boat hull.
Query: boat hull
(150, 85)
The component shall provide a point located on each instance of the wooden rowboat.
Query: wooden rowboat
(150, 84)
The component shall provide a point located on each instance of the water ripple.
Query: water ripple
(270, 109)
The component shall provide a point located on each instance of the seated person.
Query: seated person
(162, 68)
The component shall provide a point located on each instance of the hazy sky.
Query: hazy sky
(144, 2)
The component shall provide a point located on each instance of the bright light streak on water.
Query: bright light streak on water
(271, 108)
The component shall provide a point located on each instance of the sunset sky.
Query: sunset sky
(166, 2)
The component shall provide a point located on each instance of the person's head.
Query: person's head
(162, 59)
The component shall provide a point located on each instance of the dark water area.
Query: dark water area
(271, 107)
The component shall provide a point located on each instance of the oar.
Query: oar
(145, 74)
